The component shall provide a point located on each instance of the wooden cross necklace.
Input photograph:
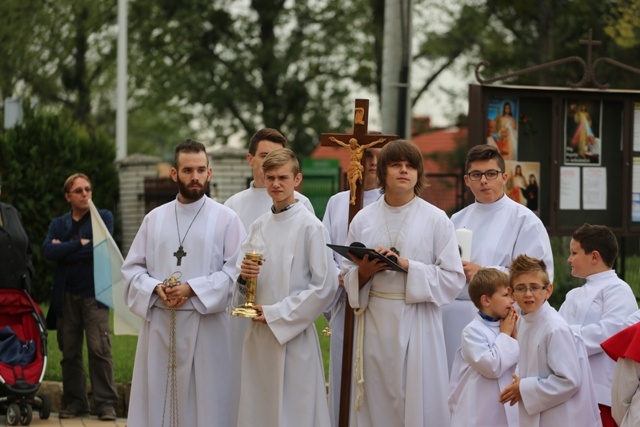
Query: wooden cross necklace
(180, 253)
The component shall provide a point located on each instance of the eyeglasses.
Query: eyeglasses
(80, 190)
(534, 289)
(491, 174)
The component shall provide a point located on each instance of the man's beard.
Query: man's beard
(191, 194)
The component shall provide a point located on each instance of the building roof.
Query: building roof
(443, 141)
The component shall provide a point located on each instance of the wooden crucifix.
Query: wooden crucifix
(357, 142)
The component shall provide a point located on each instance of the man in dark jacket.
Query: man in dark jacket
(69, 244)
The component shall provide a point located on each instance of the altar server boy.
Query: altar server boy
(282, 377)
(552, 384)
(488, 355)
(598, 309)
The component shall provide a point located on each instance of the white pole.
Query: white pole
(121, 89)
(396, 65)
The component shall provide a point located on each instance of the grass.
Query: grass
(123, 349)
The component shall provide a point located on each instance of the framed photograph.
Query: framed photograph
(502, 126)
(583, 132)
(523, 184)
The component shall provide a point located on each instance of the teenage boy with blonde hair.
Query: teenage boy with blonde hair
(552, 383)
(282, 377)
(487, 358)
(250, 204)
(598, 309)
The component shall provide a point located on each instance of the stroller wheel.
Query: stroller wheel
(26, 414)
(13, 414)
(44, 409)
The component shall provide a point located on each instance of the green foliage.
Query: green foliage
(156, 130)
(624, 26)
(533, 34)
(516, 34)
(123, 349)
(286, 65)
(35, 159)
(62, 53)
(563, 281)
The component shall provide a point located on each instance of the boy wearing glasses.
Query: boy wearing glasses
(502, 230)
(552, 383)
(598, 309)
(484, 364)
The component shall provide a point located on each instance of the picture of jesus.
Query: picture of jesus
(582, 132)
(502, 126)
(522, 184)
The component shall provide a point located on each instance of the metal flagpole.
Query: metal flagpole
(121, 87)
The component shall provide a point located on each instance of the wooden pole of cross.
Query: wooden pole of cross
(357, 142)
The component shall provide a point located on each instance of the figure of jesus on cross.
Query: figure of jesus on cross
(354, 173)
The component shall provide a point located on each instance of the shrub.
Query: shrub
(36, 157)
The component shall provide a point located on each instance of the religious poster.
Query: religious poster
(523, 183)
(583, 133)
(502, 126)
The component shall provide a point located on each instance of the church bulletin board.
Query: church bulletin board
(583, 143)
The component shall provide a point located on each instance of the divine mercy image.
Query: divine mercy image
(582, 131)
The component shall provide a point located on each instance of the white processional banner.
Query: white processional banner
(107, 275)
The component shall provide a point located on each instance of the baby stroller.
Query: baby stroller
(23, 357)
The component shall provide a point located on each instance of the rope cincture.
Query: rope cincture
(359, 363)
(171, 384)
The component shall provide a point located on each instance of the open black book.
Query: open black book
(360, 252)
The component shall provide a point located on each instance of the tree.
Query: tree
(62, 53)
(35, 158)
(287, 65)
(515, 34)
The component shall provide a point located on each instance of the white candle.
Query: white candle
(464, 243)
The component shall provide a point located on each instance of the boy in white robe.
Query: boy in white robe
(400, 370)
(207, 237)
(282, 373)
(599, 308)
(502, 230)
(253, 202)
(624, 348)
(250, 204)
(552, 384)
(484, 364)
(336, 219)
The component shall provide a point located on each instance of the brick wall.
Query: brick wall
(230, 175)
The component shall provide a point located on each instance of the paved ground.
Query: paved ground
(89, 421)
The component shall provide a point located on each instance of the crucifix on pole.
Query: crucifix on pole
(357, 142)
